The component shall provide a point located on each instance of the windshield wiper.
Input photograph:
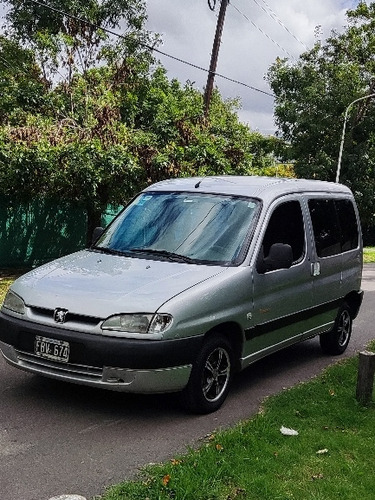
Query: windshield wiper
(110, 251)
(174, 257)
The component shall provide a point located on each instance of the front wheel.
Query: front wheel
(210, 377)
(337, 340)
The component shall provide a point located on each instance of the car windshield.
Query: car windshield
(189, 227)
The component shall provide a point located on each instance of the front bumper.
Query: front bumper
(128, 365)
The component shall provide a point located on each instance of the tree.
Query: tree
(22, 87)
(70, 37)
(71, 146)
(312, 97)
(121, 138)
(116, 123)
(173, 138)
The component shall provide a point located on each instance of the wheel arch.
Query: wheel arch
(354, 301)
(234, 334)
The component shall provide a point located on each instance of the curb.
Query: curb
(68, 497)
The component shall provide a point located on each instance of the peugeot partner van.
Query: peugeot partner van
(195, 279)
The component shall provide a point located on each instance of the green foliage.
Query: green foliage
(81, 170)
(107, 141)
(64, 45)
(173, 138)
(22, 89)
(369, 255)
(312, 97)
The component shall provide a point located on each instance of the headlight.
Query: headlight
(14, 303)
(138, 323)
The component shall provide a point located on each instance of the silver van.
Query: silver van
(195, 279)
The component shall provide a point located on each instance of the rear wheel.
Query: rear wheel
(337, 340)
(210, 377)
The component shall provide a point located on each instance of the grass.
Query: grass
(4, 285)
(332, 456)
(7, 276)
(369, 255)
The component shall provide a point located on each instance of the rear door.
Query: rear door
(337, 254)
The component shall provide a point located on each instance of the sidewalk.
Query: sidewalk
(368, 277)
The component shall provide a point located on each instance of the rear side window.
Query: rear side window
(334, 225)
(348, 224)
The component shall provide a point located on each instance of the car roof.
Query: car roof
(252, 186)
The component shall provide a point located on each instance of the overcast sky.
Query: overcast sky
(255, 33)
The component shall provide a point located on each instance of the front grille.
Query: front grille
(41, 365)
(48, 314)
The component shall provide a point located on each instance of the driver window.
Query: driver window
(285, 226)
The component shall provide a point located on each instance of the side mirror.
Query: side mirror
(280, 257)
(98, 231)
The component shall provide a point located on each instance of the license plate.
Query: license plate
(55, 350)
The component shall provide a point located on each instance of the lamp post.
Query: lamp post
(343, 132)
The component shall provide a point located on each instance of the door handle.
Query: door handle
(315, 269)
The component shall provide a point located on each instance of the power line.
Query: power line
(263, 32)
(149, 47)
(275, 17)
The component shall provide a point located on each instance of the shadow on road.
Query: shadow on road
(43, 394)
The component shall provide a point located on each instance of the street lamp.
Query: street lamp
(343, 132)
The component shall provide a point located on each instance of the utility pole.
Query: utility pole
(214, 56)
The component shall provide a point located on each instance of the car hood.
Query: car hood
(99, 285)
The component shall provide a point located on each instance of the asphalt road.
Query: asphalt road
(57, 438)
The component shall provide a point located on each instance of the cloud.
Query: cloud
(255, 33)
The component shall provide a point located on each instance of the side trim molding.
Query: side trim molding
(301, 316)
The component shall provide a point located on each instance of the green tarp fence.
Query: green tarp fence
(37, 232)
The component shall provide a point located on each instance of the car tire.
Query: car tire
(210, 377)
(336, 341)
